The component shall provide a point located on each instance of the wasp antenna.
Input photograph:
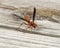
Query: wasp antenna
(19, 17)
(34, 13)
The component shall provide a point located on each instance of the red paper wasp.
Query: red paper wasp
(31, 24)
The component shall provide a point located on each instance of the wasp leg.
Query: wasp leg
(22, 24)
(31, 28)
(27, 27)
(37, 27)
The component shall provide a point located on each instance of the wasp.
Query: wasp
(31, 24)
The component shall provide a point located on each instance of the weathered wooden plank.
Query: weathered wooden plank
(48, 35)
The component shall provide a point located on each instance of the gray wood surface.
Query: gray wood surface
(48, 35)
